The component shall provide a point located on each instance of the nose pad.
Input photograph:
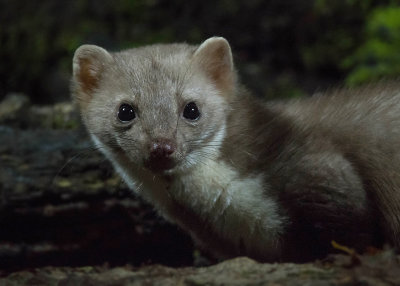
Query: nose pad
(160, 159)
(162, 148)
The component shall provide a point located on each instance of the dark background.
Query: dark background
(282, 48)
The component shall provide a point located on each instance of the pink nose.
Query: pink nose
(161, 158)
(162, 148)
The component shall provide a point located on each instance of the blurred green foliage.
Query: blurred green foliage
(379, 55)
(282, 47)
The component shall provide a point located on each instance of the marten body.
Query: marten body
(273, 181)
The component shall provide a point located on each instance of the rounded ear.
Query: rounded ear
(214, 57)
(87, 65)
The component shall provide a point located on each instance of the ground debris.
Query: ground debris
(380, 269)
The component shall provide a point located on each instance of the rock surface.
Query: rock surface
(380, 269)
(67, 219)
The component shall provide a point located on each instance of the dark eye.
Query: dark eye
(191, 111)
(126, 113)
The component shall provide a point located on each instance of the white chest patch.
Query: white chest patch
(238, 208)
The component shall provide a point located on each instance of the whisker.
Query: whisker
(64, 166)
(80, 154)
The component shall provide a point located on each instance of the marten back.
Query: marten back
(364, 124)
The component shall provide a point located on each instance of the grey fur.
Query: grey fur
(275, 181)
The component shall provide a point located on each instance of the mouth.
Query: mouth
(160, 165)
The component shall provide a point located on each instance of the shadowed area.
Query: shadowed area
(61, 203)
